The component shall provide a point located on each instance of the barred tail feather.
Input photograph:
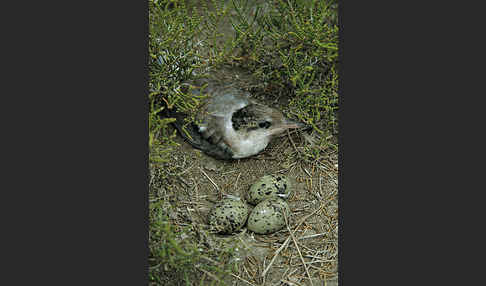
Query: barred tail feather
(190, 133)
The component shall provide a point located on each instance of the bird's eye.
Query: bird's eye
(264, 124)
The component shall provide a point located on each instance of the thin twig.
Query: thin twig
(285, 272)
(306, 217)
(236, 183)
(246, 270)
(241, 279)
(229, 172)
(311, 236)
(186, 170)
(307, 172)
(298, 249)
(320, 185)
(315, 261)
(212, 182)
(263, 266)
(291, 141)
(275, 256)
(183, 181)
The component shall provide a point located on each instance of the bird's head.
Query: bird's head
(262, 121)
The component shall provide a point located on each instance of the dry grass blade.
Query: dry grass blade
(298, 249)
(212, 182)
(312, 236)
(291, 141)
(242, 279)
(236, 182)
(275, 256)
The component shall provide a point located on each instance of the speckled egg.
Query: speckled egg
(268, 216)
(269, 186)
(229, 215)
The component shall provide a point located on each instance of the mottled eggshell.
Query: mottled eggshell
(269, 186)
(228, 215)
(268, 216)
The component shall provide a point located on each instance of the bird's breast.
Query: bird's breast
(246, 147)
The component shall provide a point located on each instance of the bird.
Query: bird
(229, 124)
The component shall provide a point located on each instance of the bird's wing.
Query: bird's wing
(215, 116)
(213, 119)
(191, 133)
(225, 102)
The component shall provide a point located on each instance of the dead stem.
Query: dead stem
(186, 170)
(291, 141)
(236, 183)
(297, 246)
(275, 256)
(311, 236)
(307, 172)
(241, 279)
(212, 182)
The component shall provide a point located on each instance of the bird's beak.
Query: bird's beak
(289, 124)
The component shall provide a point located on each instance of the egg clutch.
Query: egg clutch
(267, 194)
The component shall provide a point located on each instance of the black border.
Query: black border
(408, 120)
(77, 183)
(76, 164)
